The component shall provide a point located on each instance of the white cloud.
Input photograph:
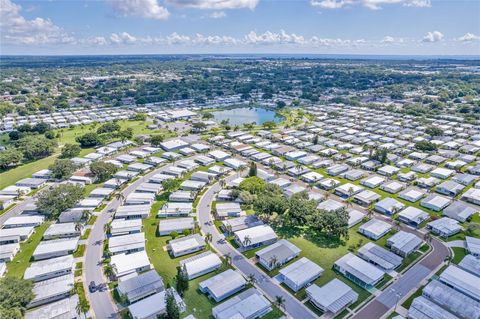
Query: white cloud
(434, 36)
(122, 38)
(176, 38)
(217, 14)
(15, 29)
(149, 9)
(469, 37)
(371, 4)
(388, 39)
(269, 37)
(215, 4)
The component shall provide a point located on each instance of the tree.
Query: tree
(279, 302)
(181, 280)
(208, 238)
(41, 128)
(251, 279)
(172, 311)
(207, 116)
(89, 139)
(108, 127)
(332, 223)
(62, 169)
(102, 170)
(70, 150)
(10, 157)
(170, 185)
(425, 146)
(36, 147)
(140, 117)
(199, 126)
(59, 198)
(156, 140)
(253, 185)
(281, 104)
(246, 241)
(252, 169)
(434, 131)
(15, 294)
(269, 125)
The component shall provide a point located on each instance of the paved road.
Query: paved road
(17, 210)
(101, 302)
(293, 307)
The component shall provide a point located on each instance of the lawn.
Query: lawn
(407, 303)
(86, 234)
(80, 251)
(458, 254)
(409, 260)
(17, 267)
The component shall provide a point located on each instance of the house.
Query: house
(300, 273)
(337, 169)
(101, 192)
(379, 256)
(139, 199)
(141, 286)
(133, 212)
(413, 216)
(15, 235)
(464, 179)
(175, 225)
(50, 268)
(366, 197)
(435, 202)
(55, 248)
(51, 290)
(223, 285)
(23, 221)
(353, 174)
(181, 196)
(227, 209)
(186, 245)
(139, 167)
(348, 189)
(190, 185)
(119, 227)
(8, 251)
(354, 217)
(247, 304)
(444, 227)
(64, 308)
(200, 264)
(427, 182)
(239, 223)
(423, 308)
(89, 203)
(359, 271)
(153, 188)
(412, 195)
(312, 177)
(333, 297)
(127, 264)
(373, 181)
(462, 281)
(459, 211)
(328, 183)
(330, 205)
(154, 160)
(277, 254)
(375, 229)
(450, 188)
(281, 182)
(472, 195)
(218, 155)
(34, 183)
(155, 305)
(388, 206)
(205, 177)
(255, 237)
(234, 163)
(6, 201)
(293, 189)
(472, 245)
(442, 173)
(451, 300)
(403, 243)
(173, 145)
(126, 244)
(388, 170)
(63, 230)
(471, 264)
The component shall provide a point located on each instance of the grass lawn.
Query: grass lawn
(80, 251)
(384, 282)
(392, 315)
(409, 260)
(458, 254)
(86, 234)
(92, 220)
(16, 268)
(407, 303)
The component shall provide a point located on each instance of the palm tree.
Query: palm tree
(370, 213)
(251, 279)
(86, 214)
(247, 241)
(119, 196)
(229, 229)
(272, 263)
(78, 227)
(280, 302)
(110, 270)
(227, 260)
(427, 237)
(208, 238)
(107, 228)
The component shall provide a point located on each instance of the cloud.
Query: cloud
(15, 29)
(217, 14)
(388, 39)
(469, 37)
(216, 4)
(371, 4)
(122, 38)
(434, 36)
(273, 38)
(149, 9)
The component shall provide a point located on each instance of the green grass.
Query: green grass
(92, 220)
(86, 234)
(409, 260)
(384, 282)
(274, 314)
(407, 303)
(80, 251)
(81, 294)
(424, 248)
(392, 315)
(16, 268)
(458, 254)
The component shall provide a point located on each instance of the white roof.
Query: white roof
(334, 296)
(256, 234)
(200, 263)
(52, 265)
(301, 271)
(126, 264)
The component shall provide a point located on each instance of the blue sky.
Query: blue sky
(414, 27)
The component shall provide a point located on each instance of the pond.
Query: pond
(240, 116)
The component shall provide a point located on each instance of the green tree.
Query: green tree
(140, 117)
(172, 311)
(331, 223)
(269, 125)
(425, 146)
(156, 140)
(10, 157)
(199, 126)
(181, 280)
(102, 170)
(89, 139)
(58, 198)
(434, 131)
(36, 147)
(252, 171)
(15, 294)
(108, 127)
(62, 169)
(70, 150)
(207, 116)
(171, 184)
(253, 185)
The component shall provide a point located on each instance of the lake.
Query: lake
(240, 116)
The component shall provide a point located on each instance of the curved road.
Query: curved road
(293, 306)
